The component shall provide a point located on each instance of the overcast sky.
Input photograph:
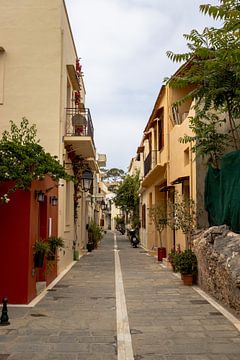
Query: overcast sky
(122, 45)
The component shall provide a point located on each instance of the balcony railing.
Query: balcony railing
(150, 162)
(79, 122)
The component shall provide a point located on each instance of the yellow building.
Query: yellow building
(168, 166)
(41, 79)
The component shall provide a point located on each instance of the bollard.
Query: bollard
(4, 318)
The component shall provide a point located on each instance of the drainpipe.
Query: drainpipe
(169, 109)
(191, 173)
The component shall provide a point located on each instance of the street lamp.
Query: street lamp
(86, 180)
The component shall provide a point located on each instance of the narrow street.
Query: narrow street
(149, 315)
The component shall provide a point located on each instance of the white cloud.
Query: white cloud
(123, 46)
(120, 135)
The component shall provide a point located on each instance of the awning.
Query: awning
(166, 188)
(180, 180)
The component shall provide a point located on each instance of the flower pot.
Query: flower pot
(90, 247)
(39, 259)
(161, 253)
(76, 255)
(187, 279)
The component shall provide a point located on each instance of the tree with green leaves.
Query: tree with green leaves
(182, 215)
(113, 174)
(208, 139)
(23, 159)
(158, 214)
(212, 69)
(127, 197)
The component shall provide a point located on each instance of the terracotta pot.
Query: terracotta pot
(187, 279)
(161, 253)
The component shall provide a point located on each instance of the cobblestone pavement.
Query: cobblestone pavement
(77, 318)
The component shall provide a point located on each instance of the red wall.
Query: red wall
(14, 246)
(20, 227)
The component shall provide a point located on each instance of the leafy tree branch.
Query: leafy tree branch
(212, 69)
(23, 159)
(127, 197)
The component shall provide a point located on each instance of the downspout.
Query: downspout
(60, 136)
(191, 173)
(168, 153)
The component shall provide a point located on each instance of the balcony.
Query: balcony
(102, 160)
(79, 132)
(150, 162)
(153, 170)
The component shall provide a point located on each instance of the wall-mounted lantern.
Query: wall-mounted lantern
(86, 180)
(53, 200)
(39, 195)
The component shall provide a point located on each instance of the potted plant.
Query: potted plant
(40, 248)
(54, 242)
(171, 256)
(158, 214)
(182, 216)
(95, 234)
(90, 246)
(186, 263)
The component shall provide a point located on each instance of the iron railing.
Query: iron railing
(150, 162)
(79, 122)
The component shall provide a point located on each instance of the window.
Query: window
(144, 216)
(186, 157)
(175, 113)
(150, 203)
(159, 128)
(160, 134)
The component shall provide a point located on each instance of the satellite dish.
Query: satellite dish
(78, 120)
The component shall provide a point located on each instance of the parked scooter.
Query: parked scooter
(133, 238)
(121, 229)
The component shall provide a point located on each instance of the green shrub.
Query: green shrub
(41, 246)
(185, 262)
(55, 242)
(95, 233)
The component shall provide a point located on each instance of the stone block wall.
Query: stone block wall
(218, 254)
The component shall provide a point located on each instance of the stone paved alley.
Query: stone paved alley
(165, 320)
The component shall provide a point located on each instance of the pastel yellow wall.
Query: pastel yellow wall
(175, 160)
(179, 166)
(30, 34)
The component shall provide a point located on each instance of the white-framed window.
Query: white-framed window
(176, 117)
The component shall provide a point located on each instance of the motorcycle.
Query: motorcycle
(121, 229)
(133, 238)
